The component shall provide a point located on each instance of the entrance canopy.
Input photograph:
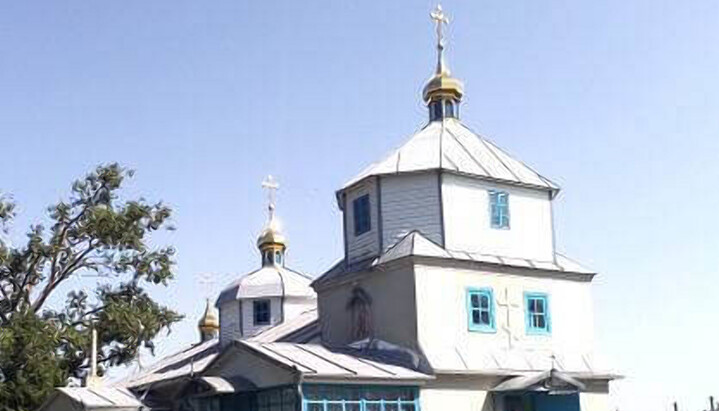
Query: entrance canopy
(552, 381)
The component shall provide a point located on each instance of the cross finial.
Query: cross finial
(440, 19)
(271, 185)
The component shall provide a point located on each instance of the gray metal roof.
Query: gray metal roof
(268, 281)
(452, 146)
(86, 398)
(416, 244)
(191, 360)
(301, 329)
(319, 363)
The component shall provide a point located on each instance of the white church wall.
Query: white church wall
(467, 226)
(443, 322)
(410, 202)
(593, 401)
(230, 321)
(455, 399)
(393, 307)
(248, 318)
(366, 244)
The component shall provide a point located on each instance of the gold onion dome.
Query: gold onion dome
(272, 234)
(210, 320)
(442, 85)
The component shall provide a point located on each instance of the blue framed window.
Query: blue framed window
(538, 319)
(499, 208)
(360, 209)
(480, 309)
(261, 312)
(325, 397)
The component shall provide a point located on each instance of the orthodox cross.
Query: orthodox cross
(440, 19)
(271, 185)
(508, 304)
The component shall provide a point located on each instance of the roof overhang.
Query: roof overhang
(552, 382)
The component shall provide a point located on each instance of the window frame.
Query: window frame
(255, 304)
(529, 327)
(502, 209)
(483, 328)
(359, 230)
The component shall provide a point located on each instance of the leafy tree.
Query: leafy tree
(95, 232)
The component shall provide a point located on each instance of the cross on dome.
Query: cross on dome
(440, 19)
(271, 185)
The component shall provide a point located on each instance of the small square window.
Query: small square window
(537, 311)
(261, 312)
(360, 209)
(480, 308)
(499, 208)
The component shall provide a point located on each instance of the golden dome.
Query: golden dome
(272, 234)
(210, 320)
(443, 85)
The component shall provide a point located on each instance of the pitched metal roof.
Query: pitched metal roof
(452, 146)
(87, 398)
(300, 329)
(191, 360)
(268, 281)
(317, 362)
(416, 244)
(465, 359)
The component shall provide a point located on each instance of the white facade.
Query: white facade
(467, 227)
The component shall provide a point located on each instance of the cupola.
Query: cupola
(442, 93)
(209, 324)
(271, 241)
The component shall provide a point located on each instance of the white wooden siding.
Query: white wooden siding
(410, 202)
(467, 225)
(230, 321)
(367, 244)
(248, 317)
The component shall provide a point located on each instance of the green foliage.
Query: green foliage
(93, 233)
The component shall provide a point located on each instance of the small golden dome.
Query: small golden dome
(443, 85)
(210, 319)
(272, 234)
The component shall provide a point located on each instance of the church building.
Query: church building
(450, 296)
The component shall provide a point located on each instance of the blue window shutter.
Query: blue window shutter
(480, 310)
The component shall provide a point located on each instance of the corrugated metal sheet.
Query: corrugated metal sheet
(451, 146)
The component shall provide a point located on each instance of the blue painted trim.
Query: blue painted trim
(530, 329)
(482, 328)
(500, 208)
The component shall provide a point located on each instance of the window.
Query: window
(278, 257)
(261, 312)
(449, 109)
(499, 208)
(325, 397)
(480, 308)
(537, 309)
(360, 207)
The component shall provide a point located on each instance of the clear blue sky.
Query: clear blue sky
(615, 100)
